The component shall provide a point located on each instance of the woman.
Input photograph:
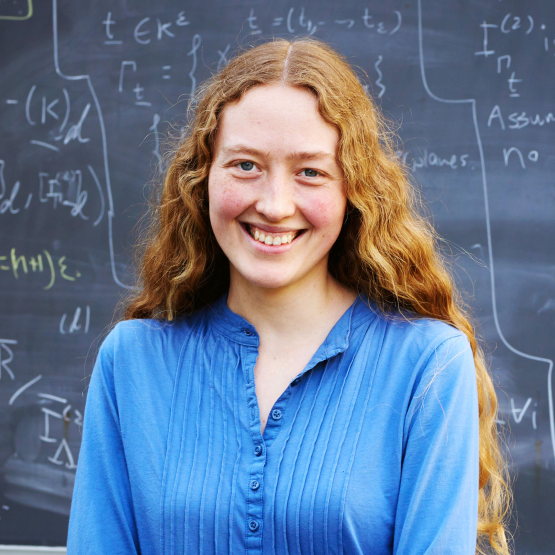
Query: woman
(295, 373)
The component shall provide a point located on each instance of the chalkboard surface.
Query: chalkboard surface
(88, 90)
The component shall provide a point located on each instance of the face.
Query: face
(276, 192)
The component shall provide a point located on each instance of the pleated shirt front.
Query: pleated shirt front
(371, 449)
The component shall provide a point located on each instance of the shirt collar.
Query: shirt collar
(239, 330)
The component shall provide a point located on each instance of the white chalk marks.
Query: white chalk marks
(87, 79)
(471, 102)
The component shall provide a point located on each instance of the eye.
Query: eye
(311, 173)
(246, 166)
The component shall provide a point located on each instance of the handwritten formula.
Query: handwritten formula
(91, 97)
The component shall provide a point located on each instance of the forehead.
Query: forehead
(276, 118)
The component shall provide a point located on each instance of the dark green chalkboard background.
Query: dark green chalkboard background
(87, 94)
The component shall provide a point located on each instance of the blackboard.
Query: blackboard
(89, 90)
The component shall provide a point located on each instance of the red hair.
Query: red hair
(386, 249)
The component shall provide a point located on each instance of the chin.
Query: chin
(268, 282)
(274, 278)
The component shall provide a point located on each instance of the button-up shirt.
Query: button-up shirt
(371, 449)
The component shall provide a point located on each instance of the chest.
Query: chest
(272, 376)
(303, 486)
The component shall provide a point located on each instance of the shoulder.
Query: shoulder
(405, 333)
(435, 363)
(152, 335)
(416, 339)
(411, 350)
(143, 350)
(139, 360)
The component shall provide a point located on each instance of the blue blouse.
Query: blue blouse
(372, 449)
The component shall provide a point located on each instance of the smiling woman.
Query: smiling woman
(266, 197)
(295, 372)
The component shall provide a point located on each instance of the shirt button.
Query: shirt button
(255, 484)
(247, 332)
(258, 450)
(253, 525)
(276, 414)
(295, 382)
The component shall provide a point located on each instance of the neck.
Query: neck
(291, 313)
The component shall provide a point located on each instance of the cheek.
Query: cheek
(225, 199)
(326, 213)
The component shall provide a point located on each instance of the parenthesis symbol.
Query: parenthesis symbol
(66, 95)
(52, 271)
(503, 30)
(400, 19)
(289, 15)
(531, 24)
(102, 202)
(28, 106)
(2, 182)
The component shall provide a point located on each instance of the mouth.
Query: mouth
(272, 238)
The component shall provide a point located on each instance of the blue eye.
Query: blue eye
(246, 166)
(313, 173)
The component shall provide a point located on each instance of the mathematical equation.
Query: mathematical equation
(64, 188)
(58, 447)
(511, 24)
(148, 29)
(61, 118)
(19, 265)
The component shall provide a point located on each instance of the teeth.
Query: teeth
(270, 240)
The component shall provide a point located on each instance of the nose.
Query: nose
(276, 199)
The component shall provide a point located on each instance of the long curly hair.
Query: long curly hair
(386, 248)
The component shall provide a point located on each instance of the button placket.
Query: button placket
(255, 484)
(254, 511)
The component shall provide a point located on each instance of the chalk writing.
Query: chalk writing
(75, 324)
(429, 159)
(63, 450)
(519, 120)
(19, 265)
(78, 147)
(6, 357)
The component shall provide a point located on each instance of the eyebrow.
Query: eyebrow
(297, 155)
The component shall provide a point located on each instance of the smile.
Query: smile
(275, 238)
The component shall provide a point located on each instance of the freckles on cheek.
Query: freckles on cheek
(326, 214)
(226, 200)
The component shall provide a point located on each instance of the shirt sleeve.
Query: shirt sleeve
(437, 511)
(101, 518)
